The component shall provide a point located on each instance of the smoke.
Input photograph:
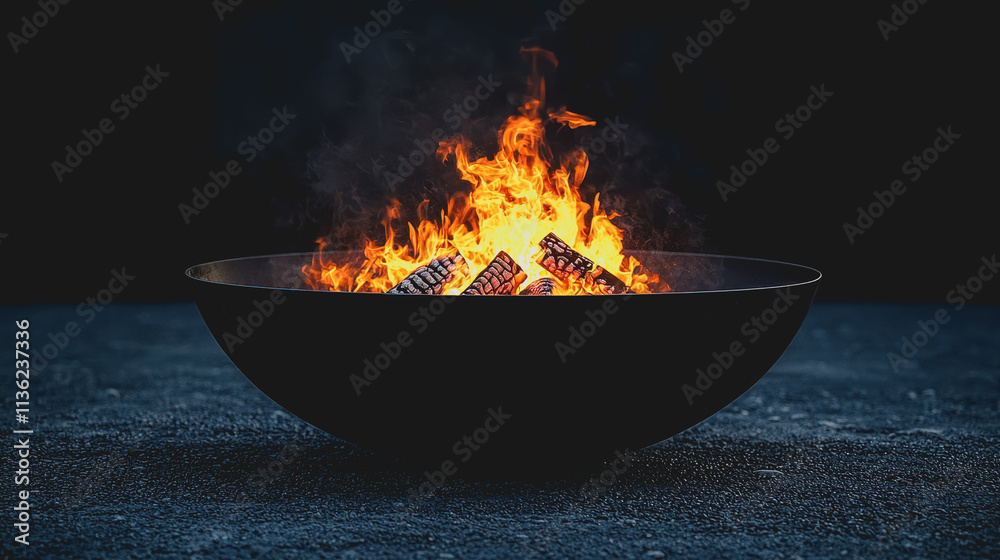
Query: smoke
(633, 183)
(379, 143)
(403, 90)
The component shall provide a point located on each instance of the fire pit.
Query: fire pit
(508, 385)
(511, 331)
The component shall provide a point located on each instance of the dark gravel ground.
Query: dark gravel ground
(146, 437)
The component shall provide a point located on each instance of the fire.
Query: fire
(518, 197)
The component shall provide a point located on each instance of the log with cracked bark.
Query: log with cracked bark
(431, 278)
(501, 277)
(540, 287)
(563, 262)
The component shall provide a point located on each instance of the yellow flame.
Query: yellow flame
(518, 197)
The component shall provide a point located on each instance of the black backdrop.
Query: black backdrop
(119, 207)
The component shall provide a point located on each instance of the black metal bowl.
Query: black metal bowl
(508, 385)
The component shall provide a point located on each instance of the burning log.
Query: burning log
(431, 278)
(501, 277)
(565, 263)
(561, 260)
(540, 287)
(606, 282)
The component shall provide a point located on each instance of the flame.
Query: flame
(518, 197)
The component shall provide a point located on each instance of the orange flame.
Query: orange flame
(518, 197)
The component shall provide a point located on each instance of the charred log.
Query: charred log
(431, 278)
(501, 277)
(540, 287)
(606, 282)
(566, 264)
(561, 260)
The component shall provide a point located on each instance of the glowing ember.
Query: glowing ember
(518, 197)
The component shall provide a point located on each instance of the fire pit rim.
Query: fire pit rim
(814, 275)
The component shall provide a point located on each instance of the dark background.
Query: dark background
(120, 206)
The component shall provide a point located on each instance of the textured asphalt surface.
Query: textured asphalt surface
(148, 443)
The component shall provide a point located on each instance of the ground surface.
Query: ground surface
(148, 443)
